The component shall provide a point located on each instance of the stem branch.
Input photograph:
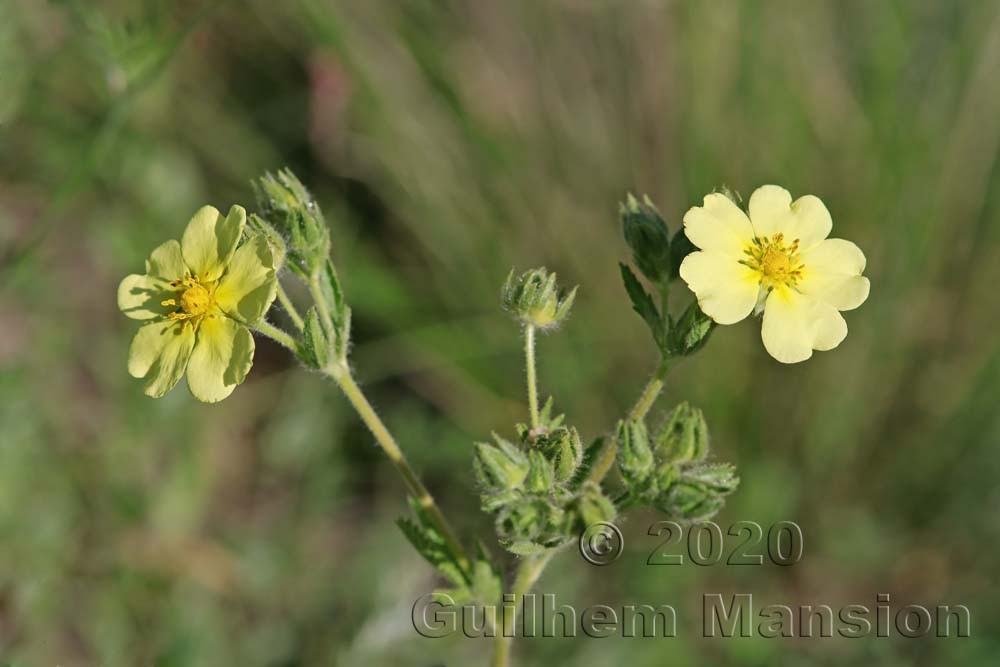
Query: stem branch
(289, 307)
(342, 376)
(646, 399)
(277, 335)
(650, 392)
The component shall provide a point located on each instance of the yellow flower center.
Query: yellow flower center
(777, 262)
(773, 263)
(195, 301)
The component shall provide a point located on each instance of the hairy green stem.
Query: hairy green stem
(528, 573)
(529, 357)
(289, 307)
(277, 335)
(341, 374)
(650, 392)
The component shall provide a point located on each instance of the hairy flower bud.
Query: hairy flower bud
(635, 458)
(683, 436)
(699, 491)
(563, 448)
(593, 506)
(291, 210)
(273, 238)
(535, 299)
(647, 235)
(499, 467)
(531, 519)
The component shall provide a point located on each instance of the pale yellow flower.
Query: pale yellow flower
(197, 298)
(777, 261)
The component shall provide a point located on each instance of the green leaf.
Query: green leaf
(316, 344)
(333, 297)
(643, 304)
(690, 333)
(430, 544)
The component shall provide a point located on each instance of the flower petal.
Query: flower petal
(832, 273)
(726, 289)
(796, 324)
(139, 296)
(248, 288)
(210, 240)
(159, 353)
(221, 359)
(718, 226)
(772, 211)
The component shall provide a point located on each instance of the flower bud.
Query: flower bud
(688, 502)
(499, 467)
(564, 449)
(293, 212)
(274, 240)
(683, 436)
(635, 458)
(699, 492)
(534, 298)
(647, 235)
(718, 477)
(593, 506)
(530, 520)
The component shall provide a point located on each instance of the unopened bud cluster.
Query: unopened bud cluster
(290, 209)
(293, 224)
(534, 488)
(667, 469)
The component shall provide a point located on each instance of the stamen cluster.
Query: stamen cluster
(777, 263)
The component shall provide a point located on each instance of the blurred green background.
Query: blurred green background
(447, 142)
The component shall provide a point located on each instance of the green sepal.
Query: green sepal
(500, 466)
(541, 474)
(524, 548)
(591, 454)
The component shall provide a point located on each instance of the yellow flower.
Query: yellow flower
(198, 296)
(778, 261)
